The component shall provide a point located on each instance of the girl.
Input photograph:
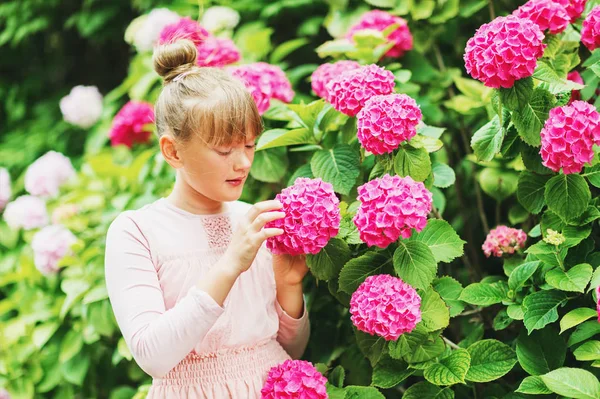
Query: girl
(203, 306)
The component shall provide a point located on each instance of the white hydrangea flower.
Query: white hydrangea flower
(5, 190)
(50, 245)
(50, 171)
(144, 31)
(82, 107)
(27, 212)
(219, 17)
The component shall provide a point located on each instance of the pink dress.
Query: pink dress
(178, 334)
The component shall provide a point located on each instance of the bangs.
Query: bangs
(229, 116)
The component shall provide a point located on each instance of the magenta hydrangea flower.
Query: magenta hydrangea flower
(49, 246)
(349, 92)
(386, 121)
(380, 21)
(185, 28)
(129, 126)
(386, 306)
(590, 33)
(5, 189)
(568, 136)
(574, 7)
(27, 212)
(326, 72)
(391, 206)
(503, 51)
(217, 52)
(48, 173)
(280, 84)
(294, 379)
(312, 217)
(503, 240)
(574, 76)
(546, 14)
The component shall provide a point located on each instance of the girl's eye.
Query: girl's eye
(253, 145)
(223, 152)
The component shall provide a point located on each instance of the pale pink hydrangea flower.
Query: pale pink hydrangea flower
(504, 240)
(386, 121)
(312, 217)
(294, 379)
(148, 32)
(503, 51)
(4, 394)
(129, 126)
(386, 306)
(326, 72)
(574, 7)
(349, 92)
(217, 52)
(391, 206)
(48, 173)
(574, 76)
(546, 14)
(185, 28)
(49, 246)
(63, 213)
(568, 137)
(380, 21)
(5, 189)
(590, 33)
(27, 212)
(82, 106)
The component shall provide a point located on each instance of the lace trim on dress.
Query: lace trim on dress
(218, 231)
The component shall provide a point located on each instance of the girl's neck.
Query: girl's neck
(185, 197)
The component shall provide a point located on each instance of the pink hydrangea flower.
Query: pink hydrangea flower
(574, 76)
(326, 72)
(349, 92)
(546, 14)
(82, 106)
(386, 121)
(391, 206)
(280, 85)
(574, 7)
(63, 213)
(49, 246)
(48, 173)
(503, 240)
(294, 379)
(129, 126)
(568, 136)
(4, 394)
(386, 306)
(590, 33)
(27, 212)
(217, 52)
(5, 190)
(185, 28)
(312, 217)
(503, 51)
(380, 21)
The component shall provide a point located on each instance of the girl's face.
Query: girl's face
(217, 172)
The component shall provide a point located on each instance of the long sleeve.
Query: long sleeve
(157, 338)
(293, 333)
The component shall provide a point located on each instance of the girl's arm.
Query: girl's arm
(294, 325)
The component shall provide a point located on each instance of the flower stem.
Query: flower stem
(491, 7)
(450, 343)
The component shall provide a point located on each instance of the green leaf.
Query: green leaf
(283, 137)
(593, 175)
(490, 360)
(450, 289)
(443, 175)
(360, 392)
(483, 294)
(434, 312)
(43, 333)
(541, 308)
(358, 269)
(567, 195)
(584, 331)
(286, 48)
(371, 346)
(517, 97)
(589, 350)
(487, 141)
(424, 389)
(573, 383)
(541, 352)
(75, 369)
(530, 191)
(521, 274)
(430, 144)
(417, 346)
(515, 312)
(338, 166)
(501, 320)
(533, 386)
(441, 239)
(576, 317)
(330, 260)
(414, 263)
(530, 119)
(413, 162)
(390, 372)
(497, 183)
(575, 279)
(449, 370)
(270, 165)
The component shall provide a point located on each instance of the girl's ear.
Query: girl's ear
(170, 151)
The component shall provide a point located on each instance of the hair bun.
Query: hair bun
(174, 58)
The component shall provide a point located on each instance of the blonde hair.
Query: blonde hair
(203, 101)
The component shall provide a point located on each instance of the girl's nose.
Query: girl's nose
(242, 161)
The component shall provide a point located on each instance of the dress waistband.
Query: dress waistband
(230, 364)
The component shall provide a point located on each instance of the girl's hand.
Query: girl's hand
(250, 234)
(289, 270)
